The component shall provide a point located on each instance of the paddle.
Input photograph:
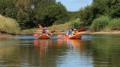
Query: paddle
(40, 26)
(66, 37)
(36, 34)
(60, 35)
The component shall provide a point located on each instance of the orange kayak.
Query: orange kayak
(44, 36)
(76, 36)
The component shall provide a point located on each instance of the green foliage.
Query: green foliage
(87, 15)
(23, 4)
(48, 12)
(22, 16)
(114, 10)
(58, 12)
(73, 15)
(30, 13)
(58, 22)
(114, 24)
(77, 20)
(9, 25)
(99, 23)
(77, 23)
(98, 8)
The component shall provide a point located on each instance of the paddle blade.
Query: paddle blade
(35, 35)
(40, 27)
(60, 35)
(66, 37)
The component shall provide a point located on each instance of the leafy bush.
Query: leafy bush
(58, 22)
(99, 23)
(75, 25)
(8, 25)
(114, 24)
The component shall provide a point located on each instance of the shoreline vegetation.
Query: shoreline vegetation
(60, 29)
(17, 18)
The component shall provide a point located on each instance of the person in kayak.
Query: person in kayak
(69, 32)
(74, 32)
(44, 31)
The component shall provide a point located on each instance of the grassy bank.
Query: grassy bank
(9, 25)
(62, 29)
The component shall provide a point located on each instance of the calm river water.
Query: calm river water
(90, 51)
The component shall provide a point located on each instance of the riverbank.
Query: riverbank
(88, 32)
(59, 32)
(2, 35)
(32, 31)
(101, 32)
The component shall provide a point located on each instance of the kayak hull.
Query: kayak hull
(77, 36)
(44, 36)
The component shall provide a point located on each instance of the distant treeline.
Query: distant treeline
(30, 13)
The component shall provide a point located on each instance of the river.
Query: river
(90, 51)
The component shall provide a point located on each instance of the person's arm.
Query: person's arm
(67, 32)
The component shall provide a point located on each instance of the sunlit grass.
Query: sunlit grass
(9, 25)
(60, 26)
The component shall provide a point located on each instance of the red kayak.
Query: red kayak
(44, 36)
(76, 36)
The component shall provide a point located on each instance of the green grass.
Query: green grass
(9, 25)
(59, 28)
(64, 26)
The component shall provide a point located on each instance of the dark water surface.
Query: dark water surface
(90, 51)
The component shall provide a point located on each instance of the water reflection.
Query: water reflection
(61, 52)
(93, 51)
(105, 51)
(43, 53)
(71, 44)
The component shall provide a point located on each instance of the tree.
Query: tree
(98, 8)
(57, 13)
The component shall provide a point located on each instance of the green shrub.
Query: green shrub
(99, 23)
(77, 23)
(9, 25)
(59, 22)
(114, 24)
(77, 20)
